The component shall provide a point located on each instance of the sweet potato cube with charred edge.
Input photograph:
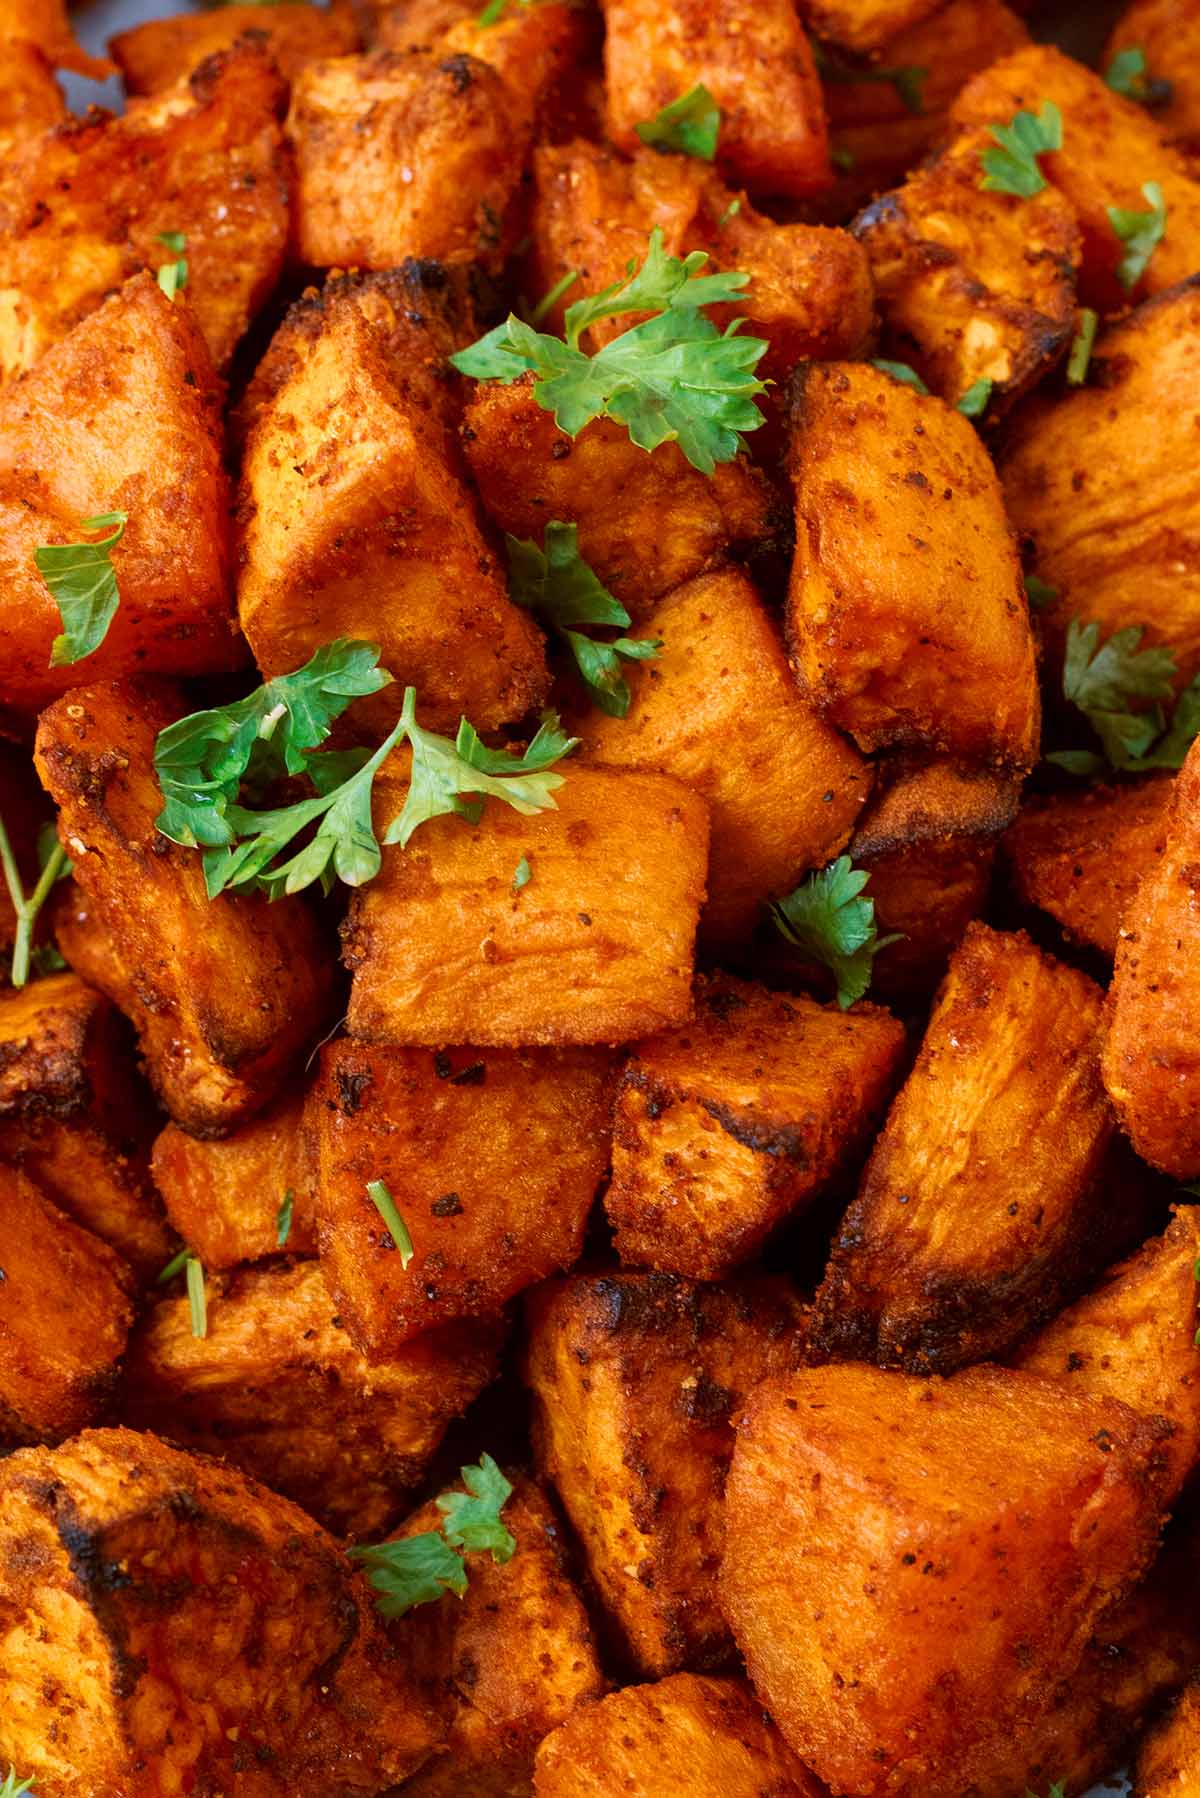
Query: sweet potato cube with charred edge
(223, 993)
(84, 207)
(353, 525)
(636, 1380)
(682, 1736)
(45, 23)
(1152, 1049)
(864, 26)
(493, 1162)
(1070, 461)
(911, 1565)
(124, 414)
(507, 1662)
(596, 947)
(278, 1388)
(646, 522)
(163, 51)
(899, 516)
(65, 1312)
(755, 60)
(735, 1121)
(224, 1198)
(983, 1205)
(718, 708)
(1080, 856)
(1134, 1338)
(402, 155)
(235, 1652)
(1167, 32)
(532, 48)
(1168, 1762)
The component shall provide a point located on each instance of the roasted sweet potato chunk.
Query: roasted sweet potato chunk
(492, 1160)
(224, 993)
(684, 1735)
(596, 947)
(278, 1388)
(983, 1205)
(1168, 1762)
(31, 101)
(898, 514)
(532, 48)
(508, 1662)
(235, 1649)
(163, 51)
(911, 1565)
(1167, 32)
(864, 25)
(636, 1379)
(45, 23)
(1152, 1050)
(225, 1198)
(735, 1121)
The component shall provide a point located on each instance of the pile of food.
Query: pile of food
(600, 828)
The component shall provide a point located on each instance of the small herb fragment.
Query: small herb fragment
(523, 874)
(1081, 347)
(173, 276)
(283, 1218)
(14, 1787)
(689, 125)
(1057, 1790)
(1039, 593)
(186, 1262)
(84, 585)
(1140, 232)
(827, 918)
(397, 1229)
(900, 371)
(1128, 75)
(843, 160)
(908, 79)
(471, 1519)
(973, 403)
(1101, 680)
(549, 300)
(495, 10)
(420, 1569)
(1013, 167)
(54, 866)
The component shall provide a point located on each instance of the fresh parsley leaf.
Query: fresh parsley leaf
(827, 918)
(471, 1519)
(900, 371)
(283, 1218)
(673, 378)
(1102, 679)
(1140, 232)
(81, 578)
(523, 875)
(54, 866)
(14, 1787)
(397, 1229)
(1081, 347)
(1128, 75)
(1056, 1791)
(908, 79)
(414, 1570)
(688, 125)
(973, 403)
(173, 276)
(1013, 167)
(730, 212)
(1040, 594)
(187, 1263)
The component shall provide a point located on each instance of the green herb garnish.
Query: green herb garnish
(14, 1787)
(173, 276)
(689, 125)
(84, 585)
(1101, 680)
(973, 403)
(283, 1218)
(1013, 167)
(523, 874)
(55, 866)
(1128, 76)
(1140, 232)
(397, 1229)
(1039, 593)
(419, 1569)
(900, 371)
(188, 1263)
(1081, 347)
(827, 918)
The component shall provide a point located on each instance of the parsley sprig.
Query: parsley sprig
(417, 1570)
(173, 276)
(689, 125)
(1128, 75)
(972, 404)
(54, 866)
(1140, 233)
(1013, 168)
(828, 918)
(563, 591)
(1102, 680)
(673, 378)
(84, 584)
(14, 1787)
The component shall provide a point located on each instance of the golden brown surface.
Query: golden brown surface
(864, 25)
(534, 49)
(223, 1198)
(163, 51)
(31, 100)
(636, 1381)
(1168, 34)
(1168, 1762)
(901, 1627)
(45, 23)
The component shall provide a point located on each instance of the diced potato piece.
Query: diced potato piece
(1070, 462)
(864, 25)
(402, 155)
(493, 1162)
(353, 525)
(1134, 1338)
(168, 1623)
(684, 1735)
(31, 101)
(511, 1659)
(1152, 1052)
(983, 1205)
(1168, 1762)
(1111, 148)
(532, 48)
(224, 1198)
(755, 60)
(45, 23)
(1168, 34)
(123, 414)
(65, 1312)
(912, 1565)
(718, 708)
(646, 522)
(735, 1121)
(84, 207)
(224, 993)
(636, 1380)
(1080, 856)
(898, 516)
(96, 1172)
(163, 51)
(278, 1388)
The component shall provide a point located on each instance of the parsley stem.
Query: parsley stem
(555, 294)
(27, 909)
(385, 1204)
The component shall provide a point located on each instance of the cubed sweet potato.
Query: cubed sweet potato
(1168, 1762)
(532, 48)
(402, 154)
(682, 1736)
(719, 709)
(507, 1662)
(353, 524)
(225, 1198)
(737, 1120)
(1167, 32)
(168, 1622)
(899, 515)
(123, 414)
(983, 1206)
(84, 207)
(636, 1380)
(1152, 1049)
(31, 100)
(493, 1162)
(864, 26)
(223, 993)
(596, 947)
(65, 1312)
(646, 522)
(278, 1388)
(1070, 462)
(45, 23)
(911, 1565)
(1080, 856)
(162, 51)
